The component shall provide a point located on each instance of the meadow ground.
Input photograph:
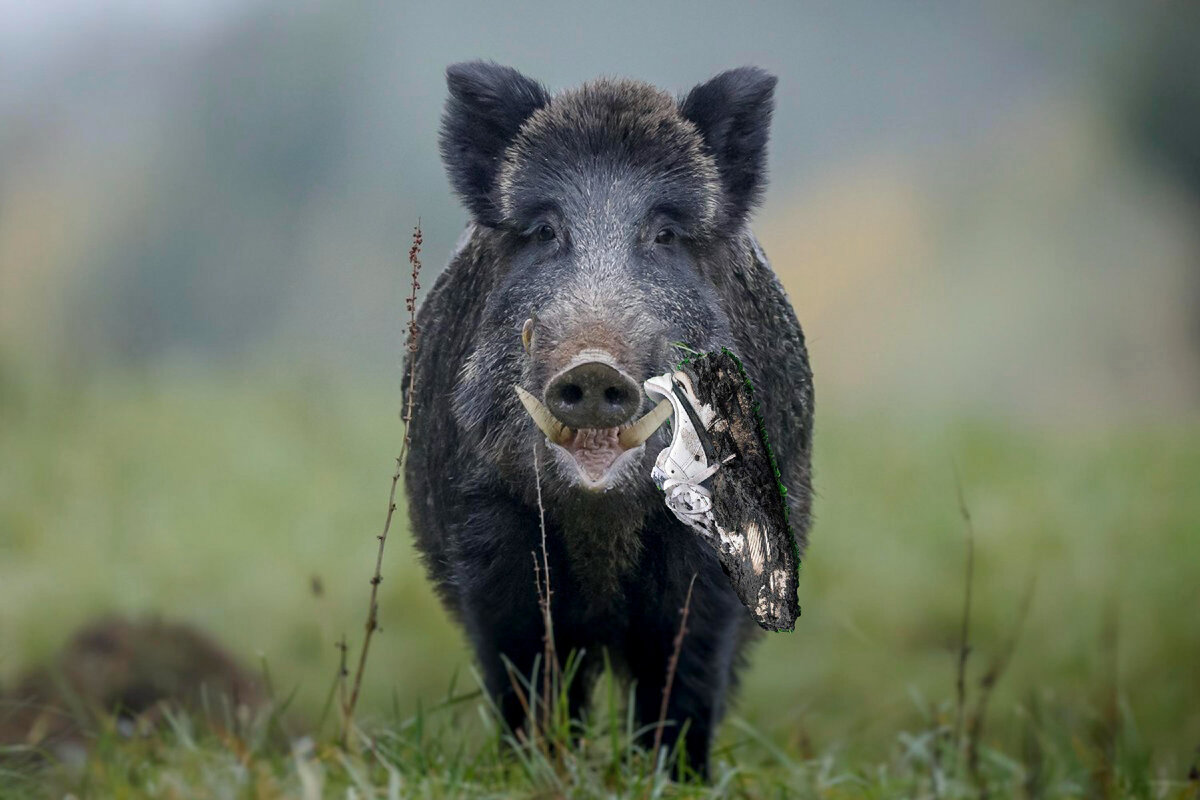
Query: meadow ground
(247, 502)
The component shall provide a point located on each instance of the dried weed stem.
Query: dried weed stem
(542, 579)
(673, 665)
(372, 623)
(964, 644)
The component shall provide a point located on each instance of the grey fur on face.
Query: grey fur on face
(611, 131)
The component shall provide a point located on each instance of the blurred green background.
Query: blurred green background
(987, 218)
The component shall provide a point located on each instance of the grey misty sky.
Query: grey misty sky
(854, 76)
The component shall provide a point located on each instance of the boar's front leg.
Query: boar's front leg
(498, 598)
(703, 676)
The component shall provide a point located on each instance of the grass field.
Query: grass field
(247, 502)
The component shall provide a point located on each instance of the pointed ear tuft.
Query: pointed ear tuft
(733, 114)
(487, 105)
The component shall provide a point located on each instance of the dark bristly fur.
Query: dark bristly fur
(486, 108)
(605, 167)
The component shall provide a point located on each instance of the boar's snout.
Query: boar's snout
(593, 395)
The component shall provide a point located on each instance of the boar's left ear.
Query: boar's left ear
(733, 114)
(488, 103)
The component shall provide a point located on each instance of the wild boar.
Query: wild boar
(608, 225)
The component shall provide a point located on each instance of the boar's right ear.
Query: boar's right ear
(733, 114)
(488, 103)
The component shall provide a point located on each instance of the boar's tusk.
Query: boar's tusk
(644, 428)
(555, 431)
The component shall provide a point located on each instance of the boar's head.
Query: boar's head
(609, 211)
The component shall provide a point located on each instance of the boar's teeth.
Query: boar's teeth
(555, 431)
(644, 428)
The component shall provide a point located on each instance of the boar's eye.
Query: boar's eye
(544, 233)
(664, 236)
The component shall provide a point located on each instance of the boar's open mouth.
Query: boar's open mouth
(595, 451)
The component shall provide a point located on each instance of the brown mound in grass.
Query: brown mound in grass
(127, 671)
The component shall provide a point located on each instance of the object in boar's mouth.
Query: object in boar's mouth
(720, 479)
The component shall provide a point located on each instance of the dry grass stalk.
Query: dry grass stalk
(372, 623)
(519, 692)
(1106, 730)
(542, 580)
(343, 671)
(987, 683)
(672, 666)
(964, 644)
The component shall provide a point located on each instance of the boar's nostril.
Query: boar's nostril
(593, 395)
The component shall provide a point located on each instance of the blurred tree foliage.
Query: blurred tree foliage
(1163, 100)
(258, 130)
